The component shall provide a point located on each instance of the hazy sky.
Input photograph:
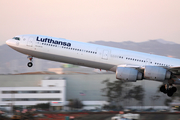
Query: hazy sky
(92, 20)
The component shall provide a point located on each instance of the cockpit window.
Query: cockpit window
(16, 38)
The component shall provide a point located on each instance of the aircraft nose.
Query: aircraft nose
(8, 42)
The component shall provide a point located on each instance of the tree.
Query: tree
(75, 104)
(42, 106)
(167, 102)
(154, 98)
(176, 95)
(114, 92)
(138, 93)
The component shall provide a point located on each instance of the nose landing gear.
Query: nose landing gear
(30, 64)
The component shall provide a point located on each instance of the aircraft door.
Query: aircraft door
(102, 54)
(148, 61)
(105, 55)
(30, 42)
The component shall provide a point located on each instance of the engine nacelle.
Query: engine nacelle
(156, 73)
(128, 74)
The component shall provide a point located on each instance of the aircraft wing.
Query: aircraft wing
(175, 70)
(139, 68)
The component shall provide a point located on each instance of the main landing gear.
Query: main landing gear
(168, 89)
(30, 64)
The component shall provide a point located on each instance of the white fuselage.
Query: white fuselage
(86, 54)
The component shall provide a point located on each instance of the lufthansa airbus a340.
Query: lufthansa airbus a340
(128, 65)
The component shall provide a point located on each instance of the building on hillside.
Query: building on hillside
(49, 90)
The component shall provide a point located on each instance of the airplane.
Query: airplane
(128, 65)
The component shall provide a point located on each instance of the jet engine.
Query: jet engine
(128, 74)
(156, 73)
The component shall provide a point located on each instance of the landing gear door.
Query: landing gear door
(30, 42)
